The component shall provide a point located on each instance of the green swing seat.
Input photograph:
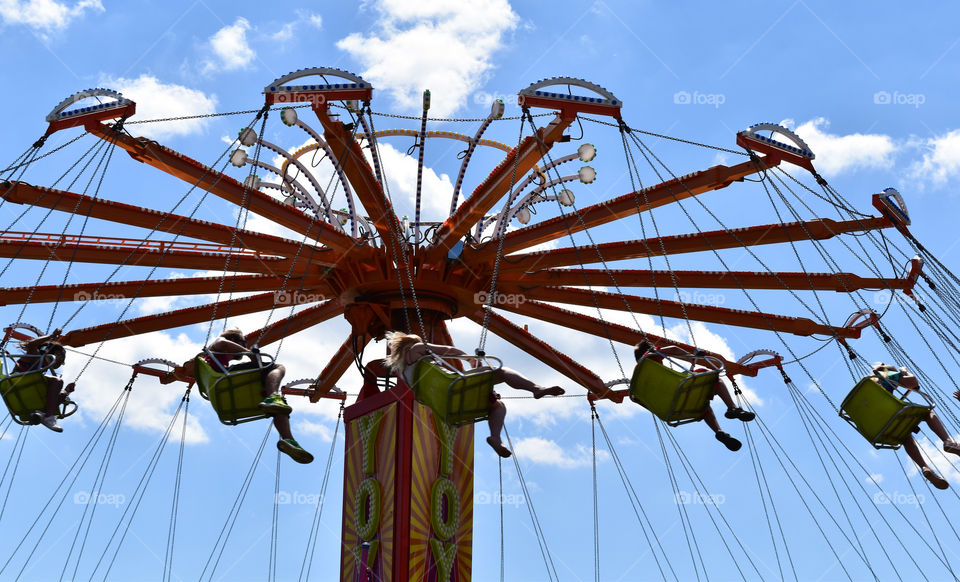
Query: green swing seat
(882, 418)
(26, 392)
(675, 397)
(235, 396)
(457, 397)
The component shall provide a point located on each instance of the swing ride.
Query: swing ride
(409, 460)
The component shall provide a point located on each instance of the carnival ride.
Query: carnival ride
(357, 259)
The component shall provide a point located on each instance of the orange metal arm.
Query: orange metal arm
(295, 323)
(544, 352)
(616, 332)
(840, 282)
(690, 243)
(92, 249)
(358, 171)
(209, 179)
(158, 288)
(171, 319)
(335, 369)
(629, 204)
(498, 183)
(767, 321)
(22, 193)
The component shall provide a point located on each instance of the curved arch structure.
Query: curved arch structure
(354, 87)
(569, 104)
(62, 118)
(799, 153)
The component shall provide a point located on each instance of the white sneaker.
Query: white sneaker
(51, 423)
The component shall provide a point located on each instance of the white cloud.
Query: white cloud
(45, 15)
(401, 174)
(941, 160)
(313, 429)
(151, 404)
(316, 20)
(285, 33)
(230, 47)
(157, 100)
(547, 452)
(445, 46)
(841, 153)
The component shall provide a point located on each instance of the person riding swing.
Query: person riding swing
(645, 350)
(891, 378)
(45, 354)
(405, 350)
(231, 345)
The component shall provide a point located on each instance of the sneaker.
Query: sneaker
(275, 404)
(51, 423)
(728, 441)
(936, 480)
(740, 414)
(295, 451)
(951, 447)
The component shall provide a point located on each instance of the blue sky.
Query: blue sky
(871, 90)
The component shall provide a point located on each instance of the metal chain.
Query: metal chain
(447, 119)
(53, 151)
(662, 136)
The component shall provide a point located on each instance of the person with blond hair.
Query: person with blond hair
(231, 345)
(405, 350)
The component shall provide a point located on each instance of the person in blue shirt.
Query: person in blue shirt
(891, 378)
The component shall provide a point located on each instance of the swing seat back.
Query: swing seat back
(882, 418)
(458, 398)
(235, 396)
(23, 394)
(675, 397)
(26, 392)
